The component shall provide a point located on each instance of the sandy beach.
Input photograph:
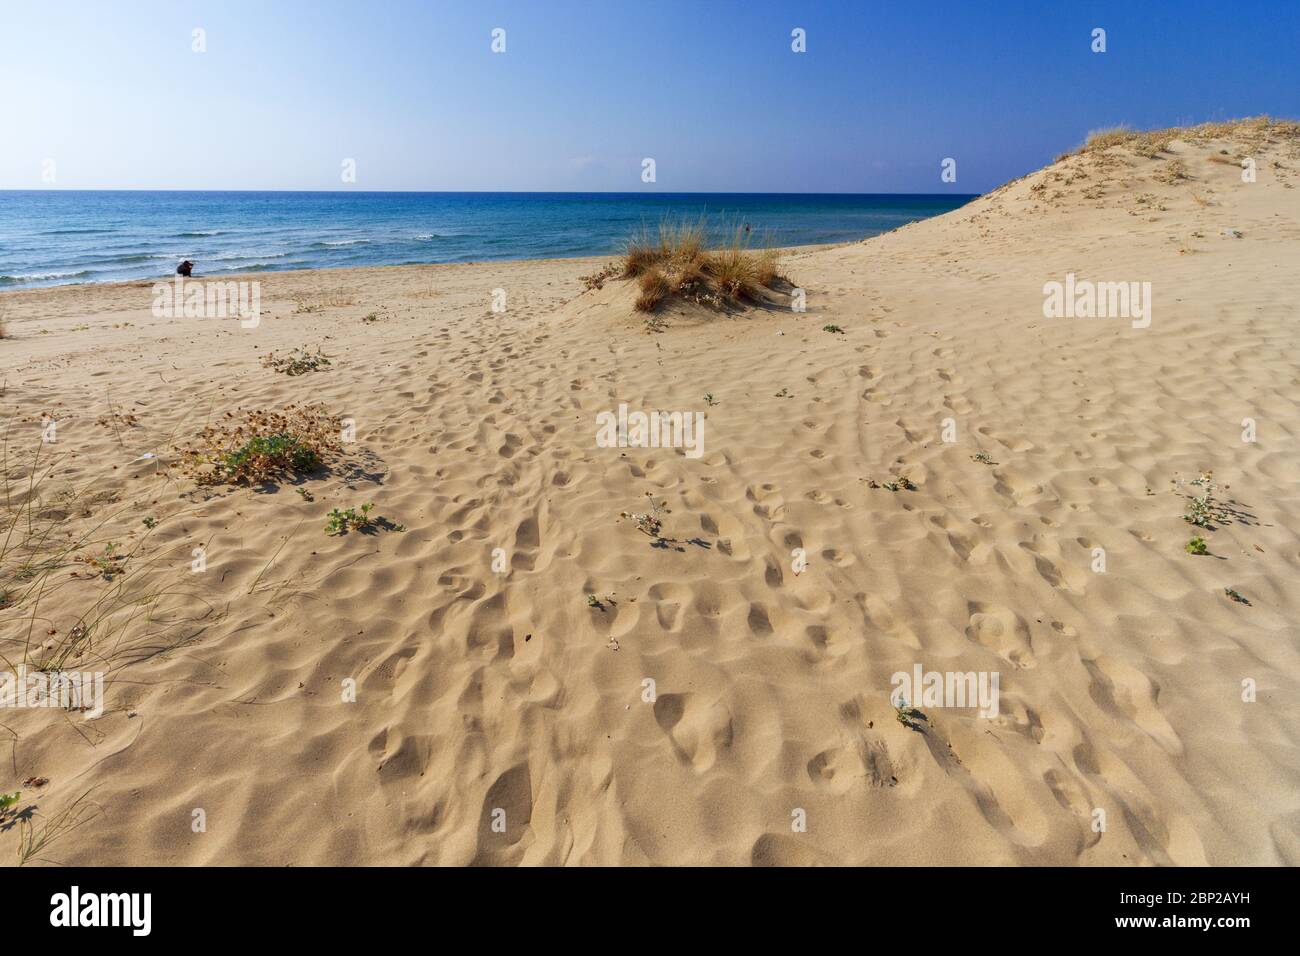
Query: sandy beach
(505, 669)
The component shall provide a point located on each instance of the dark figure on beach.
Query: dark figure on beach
(185, 268)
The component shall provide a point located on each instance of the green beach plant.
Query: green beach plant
(908, 715)
(262, 446)
(341, 522)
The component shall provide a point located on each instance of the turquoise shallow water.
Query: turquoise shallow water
(54, 237)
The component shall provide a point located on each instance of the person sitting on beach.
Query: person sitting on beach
(185, 268)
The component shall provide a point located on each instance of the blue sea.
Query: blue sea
(55, 237)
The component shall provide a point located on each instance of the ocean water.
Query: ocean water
(54, 237)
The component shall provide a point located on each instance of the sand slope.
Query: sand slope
(480, 691)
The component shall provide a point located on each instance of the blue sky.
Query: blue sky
(114, 94)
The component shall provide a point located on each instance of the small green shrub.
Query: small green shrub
(908, 715)
(341, 522)
(264, 446)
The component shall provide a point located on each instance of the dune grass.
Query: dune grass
(654, 289)
(80, 586)
(1109, 136)
(674, 261)
(1172, 172)
(1251, 131)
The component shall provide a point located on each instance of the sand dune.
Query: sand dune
(480, 691)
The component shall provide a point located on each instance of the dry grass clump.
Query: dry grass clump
(1173, 171)
(1153, 144)
(263, 446)
(298, 362)
(1253, 131)
(654, 289)
(690, 275)
(735, 269)
(675, 262)
(675, 245)
(1108, 137)
(767, 268)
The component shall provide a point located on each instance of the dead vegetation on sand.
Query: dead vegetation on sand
(1250, 133)
(673, 262)
(262, 446)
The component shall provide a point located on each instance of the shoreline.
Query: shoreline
(344, 271)
(58, 239)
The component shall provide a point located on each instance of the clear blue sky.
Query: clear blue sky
(112, 92)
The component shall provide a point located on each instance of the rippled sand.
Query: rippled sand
(486, 695)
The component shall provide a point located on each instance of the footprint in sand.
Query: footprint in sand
(913, 437)
(780, 849)
(697, 730)
(876, 613)
(1117, 687)
(527, 541)
(759, 622)
(768, 502)
(1002, 630)
(1070, 796)
(961, 544)
(836, 770)
(668, 600)
(825, 642)
(1053, 569)
(506, 814)
(839, 769)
